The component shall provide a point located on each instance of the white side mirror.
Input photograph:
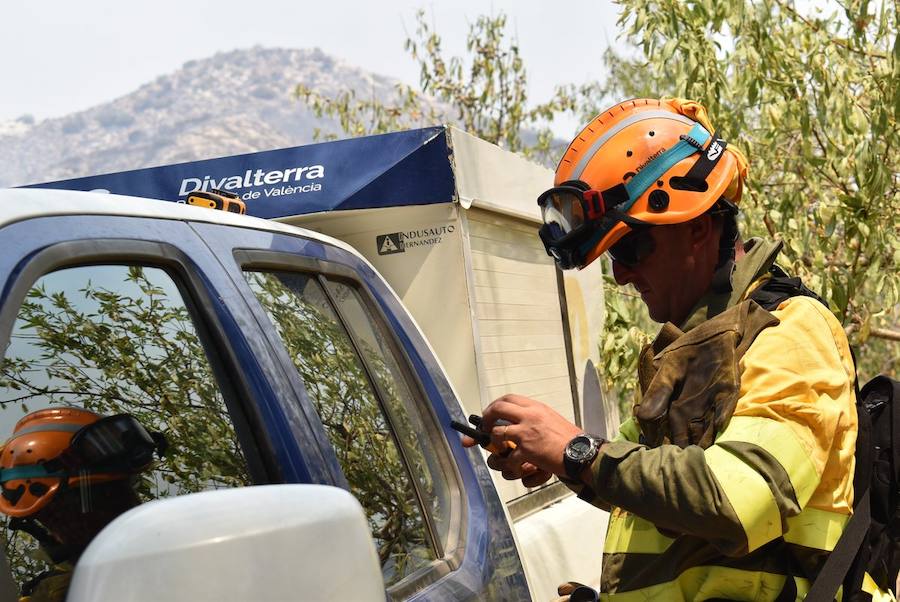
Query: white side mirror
(273, 542)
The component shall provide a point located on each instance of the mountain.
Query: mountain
(234, 102)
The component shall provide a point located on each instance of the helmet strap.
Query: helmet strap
(721, 282)
(84, 490)
(705, 163)
(621, 216)
(689, 144)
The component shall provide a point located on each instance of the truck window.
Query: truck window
(364, 402)
(392, 383)
(118, 339)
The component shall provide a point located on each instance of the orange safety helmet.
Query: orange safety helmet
(38, 437)
(641, 163)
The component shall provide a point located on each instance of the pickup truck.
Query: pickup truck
(284, 358)
(265, 354)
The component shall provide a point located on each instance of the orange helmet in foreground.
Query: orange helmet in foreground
(60, 447)
(641, 163)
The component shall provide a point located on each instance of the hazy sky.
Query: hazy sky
(60, 56)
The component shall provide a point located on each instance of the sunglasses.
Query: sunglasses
(633, 248)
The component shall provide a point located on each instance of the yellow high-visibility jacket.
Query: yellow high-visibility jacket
(768, 497)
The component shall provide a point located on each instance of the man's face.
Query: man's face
(667, 278)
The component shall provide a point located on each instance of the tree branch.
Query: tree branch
(884, 333)
(877, 333)
(834, 40)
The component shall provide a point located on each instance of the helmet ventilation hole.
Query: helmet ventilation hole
(13, 495)
(628, 153)
(652, 133)
(689, 184)
(38, 489)
(659, 183)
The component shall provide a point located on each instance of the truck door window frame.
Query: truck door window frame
(449, 554)
(255, 444)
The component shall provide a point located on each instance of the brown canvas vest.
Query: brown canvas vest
(690, 381)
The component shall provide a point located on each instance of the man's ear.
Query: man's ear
(702, 231)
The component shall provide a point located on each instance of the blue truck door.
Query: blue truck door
(230, 336)
(379, 408)
(135, 315)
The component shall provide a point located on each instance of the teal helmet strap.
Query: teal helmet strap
(689, 144)
(32, 471)
(622, 197)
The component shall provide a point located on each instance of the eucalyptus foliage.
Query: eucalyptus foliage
(484, 93)
(357, 425)
(813, 98)
(129, 345)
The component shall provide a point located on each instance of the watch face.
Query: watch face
(580, 448)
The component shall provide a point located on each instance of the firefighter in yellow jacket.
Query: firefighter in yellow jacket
(733, 478)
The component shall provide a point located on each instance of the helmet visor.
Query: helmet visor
(562, 209)
(115, 442)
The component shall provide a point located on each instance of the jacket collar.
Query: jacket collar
(759, 255)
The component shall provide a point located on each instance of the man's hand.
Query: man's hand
(573, 589)
(540, 435)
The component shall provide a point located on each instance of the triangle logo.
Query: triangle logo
(389, 244)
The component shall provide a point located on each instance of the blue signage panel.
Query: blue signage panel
(403, 168)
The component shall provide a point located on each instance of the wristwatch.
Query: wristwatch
(580, 453)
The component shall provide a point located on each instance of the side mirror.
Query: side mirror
(271, 542)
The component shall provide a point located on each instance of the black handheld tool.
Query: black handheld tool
(481, 438)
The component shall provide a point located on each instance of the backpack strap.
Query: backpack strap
(779, 287)
(849, 545)
(825, 587)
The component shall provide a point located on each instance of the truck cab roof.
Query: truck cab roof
(17, 204)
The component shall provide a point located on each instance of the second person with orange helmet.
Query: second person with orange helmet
(65, 473)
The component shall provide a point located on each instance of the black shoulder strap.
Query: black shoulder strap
(835, 568)
(839, 562)
(851, 541)
(779, 287)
